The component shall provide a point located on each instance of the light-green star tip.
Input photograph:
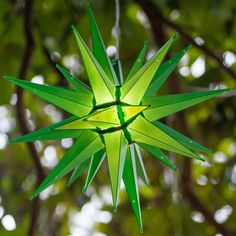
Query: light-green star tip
(12, 141)
(201, 159)
(188, 47)
(115, 209)
(31, 198)
(73, 28)
(175, 169)
(145, 43)
(7, 77)
(175, 36)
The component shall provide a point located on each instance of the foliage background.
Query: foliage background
(199, 199)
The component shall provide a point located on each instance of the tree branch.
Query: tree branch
(157, 21)
(20, 110)
(157, 15)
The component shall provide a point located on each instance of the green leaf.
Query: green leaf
(163, 106)
(78, 171)
(158, 154)
(139, 62)
(187, 142)
(134, 89)
(99, 49)
(163, 72)
(140, 165)
(68, 100)
(103, 88)
(95, 164)
(142, 131)
(76, 83)
(116, 146)
(50, 133)
(131, 183)
(84, 147)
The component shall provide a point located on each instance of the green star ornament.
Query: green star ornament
(114, 119)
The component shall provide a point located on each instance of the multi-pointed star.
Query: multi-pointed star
(113, 119)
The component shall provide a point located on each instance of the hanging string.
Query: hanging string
(116, 27)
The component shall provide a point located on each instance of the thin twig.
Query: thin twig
(20, 110)
(157, 26)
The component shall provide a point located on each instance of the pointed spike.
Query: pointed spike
(157, 153)
(116, 146)
(142, 131)
(140, 166)
(175, 35)
(163, 72)
(99, 49)
(134, 89)
(107, 115)
(49, 133)
(78, 172)
(68, 100)
(187, 142)
(131, 184)
(188, 47)
(102, 86)
(163, 106)
(132, 111)
(78, 124)
(77, 84)
(139, 61)
(118, 70)
(85, 146)
(95, 164)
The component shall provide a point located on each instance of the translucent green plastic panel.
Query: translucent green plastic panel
(77, 84)
(78, 172)
(116, 146)
(99, 49)
(140, 165)
(94, 166)
(142, 131)
(139, 62)
(131, 183)
(78, 124)
(134, 89)
(166, 105)
(103, 88)
(163, 72)
(131, 111)
(158, 154)
(50, 133)
(108, 115)
(84, 147)
(68, 100)
(187, 142)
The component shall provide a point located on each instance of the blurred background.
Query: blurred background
(200, 199)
